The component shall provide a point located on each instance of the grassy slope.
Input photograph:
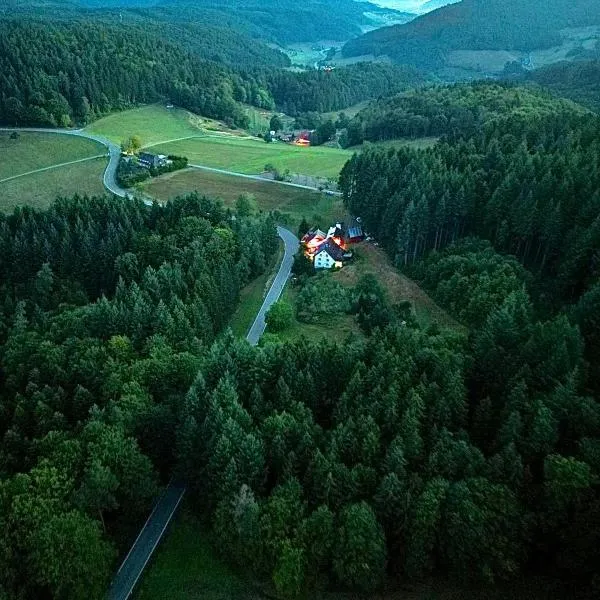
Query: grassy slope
(295, 203)
(41, 189)
(372, 260)
(153, 123)
(251, 156)
(33, 151)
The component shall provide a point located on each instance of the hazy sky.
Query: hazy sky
(405, 5)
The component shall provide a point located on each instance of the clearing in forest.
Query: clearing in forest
(372, 260)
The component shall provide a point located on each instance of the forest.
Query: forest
(276, 21)
(424, 452)
(434, 111)
(59, 74)
(326, 91)
(107, 307)
(578, 80)
(522, 25)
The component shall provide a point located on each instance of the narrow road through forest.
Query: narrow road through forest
(149, 537)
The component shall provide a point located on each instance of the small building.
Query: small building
(329, 255)
(355, 233)
(312, 240)
(151, 161)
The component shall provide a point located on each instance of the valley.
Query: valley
(299, 300)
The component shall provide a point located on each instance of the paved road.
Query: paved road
(141, 551)
(133, 566)
(263, 179)
(114, 153)
(291, 245)
(136, 560)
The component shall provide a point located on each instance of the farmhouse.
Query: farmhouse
(355, 233)
(329, 255)
(151, 161)
(326, 250)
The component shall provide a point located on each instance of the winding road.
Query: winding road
(291, 245)
(149, 537)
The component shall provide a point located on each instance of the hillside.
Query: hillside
(56, 74)
(446, 110)
(477, 25)
(282, 21)
(578, 81)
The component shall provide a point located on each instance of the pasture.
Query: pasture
(31, 151)
(250, 156)
(40, 189)
(293, 203)
(153, 123)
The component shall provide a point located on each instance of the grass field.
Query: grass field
(293, 203)
(154, 123)
(41, 189)
(31, 151)
(250, 156)
(186, 567)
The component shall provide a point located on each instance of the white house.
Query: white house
(329, 255)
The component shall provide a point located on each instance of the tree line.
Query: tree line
(107, 307)
(526, 180)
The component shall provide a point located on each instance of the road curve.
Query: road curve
(114, 153)
(149, 537)
(291, 244)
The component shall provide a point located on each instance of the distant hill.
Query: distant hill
(282, 21)
(520, 25)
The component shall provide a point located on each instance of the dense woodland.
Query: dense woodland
(579, 80)
(448, 110)
(408, 453)
(56, 74)
(60, 74)
(280, 21)
(476, 25)
(425, 452)
(107, 307)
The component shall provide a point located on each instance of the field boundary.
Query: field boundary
(58, 166)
